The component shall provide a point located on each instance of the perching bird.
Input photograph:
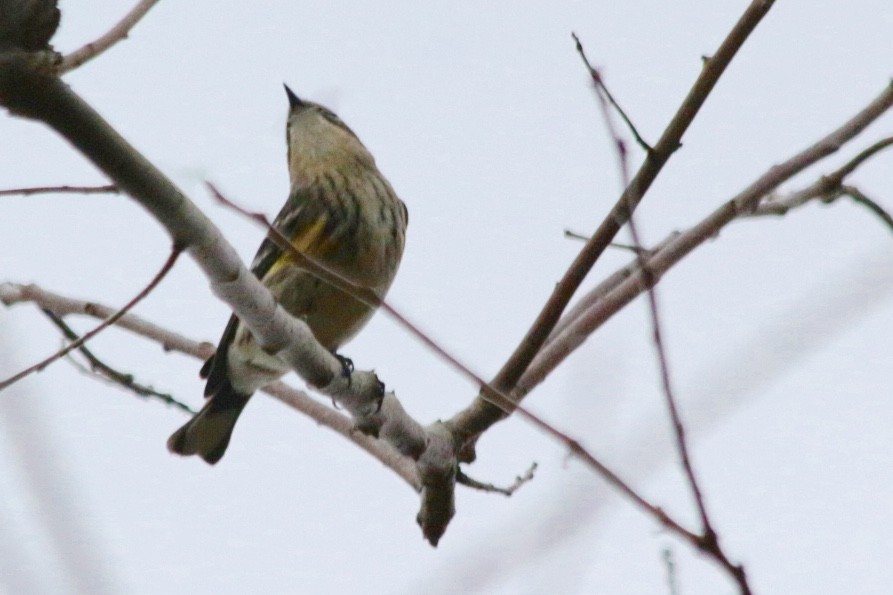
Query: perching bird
(343, 214)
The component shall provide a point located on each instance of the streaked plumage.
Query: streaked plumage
(343, 214)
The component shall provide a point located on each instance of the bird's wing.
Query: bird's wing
(307, 221)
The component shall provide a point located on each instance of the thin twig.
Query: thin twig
(97, 366)
(862, 157)
(600, 86)
(861, 198)
(114, 35)
(574, 235)
(666, 384)
(107, 189)
(169, 263)
(464, 479)
(635, 250)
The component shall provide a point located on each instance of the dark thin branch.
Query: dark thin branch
(600, 86)
(169, 263)
(861, 198)
(637, 250)
(463, 479)
(574, 235)
(629, 248)
(672, 407)
(708, 539)
(100, 368)
(863, 156)
(107, 189)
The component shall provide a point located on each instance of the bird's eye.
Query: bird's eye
(330, 116)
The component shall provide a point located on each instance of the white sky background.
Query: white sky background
(779, 332)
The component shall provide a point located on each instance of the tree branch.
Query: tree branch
(831, 187)
(11, 294)
(165, 269)
(622, 287)
(107, 189)
(100, 368)
(475, 419)
(520, 480)
(114, 35)
(600, 88)
(863, 199)
(432, 467)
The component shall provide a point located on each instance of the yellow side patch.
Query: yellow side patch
(309, 241)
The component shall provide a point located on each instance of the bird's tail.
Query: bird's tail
(207, 434)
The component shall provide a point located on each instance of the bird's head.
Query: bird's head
(317, 138)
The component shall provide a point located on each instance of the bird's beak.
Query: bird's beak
(293, 100)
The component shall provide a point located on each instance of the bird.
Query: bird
(343, 214)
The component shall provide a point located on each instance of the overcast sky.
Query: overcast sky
(779, 332)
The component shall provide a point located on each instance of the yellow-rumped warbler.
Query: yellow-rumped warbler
(342, 213)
